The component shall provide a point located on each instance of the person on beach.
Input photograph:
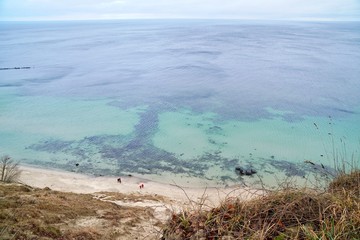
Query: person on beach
(119, 180)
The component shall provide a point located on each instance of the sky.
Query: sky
(29, 10)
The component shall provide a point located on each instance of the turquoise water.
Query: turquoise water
(181, 101)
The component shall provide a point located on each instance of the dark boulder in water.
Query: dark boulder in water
(241, 171)
(248, 172)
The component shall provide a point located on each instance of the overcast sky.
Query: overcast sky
(204, 9)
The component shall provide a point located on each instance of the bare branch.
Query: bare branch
(9, 170)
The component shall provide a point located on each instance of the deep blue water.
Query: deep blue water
(216, 85)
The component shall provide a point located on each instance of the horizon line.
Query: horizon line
(190, 19)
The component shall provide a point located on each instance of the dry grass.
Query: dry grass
(285, 214)
(347, 183)
(29, 213)
(9, 170)
(133, 197)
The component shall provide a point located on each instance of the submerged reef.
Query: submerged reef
(116, 154)
(136, 154)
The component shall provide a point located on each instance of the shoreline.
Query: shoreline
(61, 180)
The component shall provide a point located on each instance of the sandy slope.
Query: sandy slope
(163, 199)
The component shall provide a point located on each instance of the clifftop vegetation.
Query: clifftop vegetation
(283, 214)
(32, 213)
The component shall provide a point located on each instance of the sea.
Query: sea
(189, 102)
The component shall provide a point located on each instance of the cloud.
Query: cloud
(275, 9)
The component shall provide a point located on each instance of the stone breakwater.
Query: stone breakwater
(14, 68)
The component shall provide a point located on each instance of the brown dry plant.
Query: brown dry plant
(285, 214)
(32, 213)
(9, 170)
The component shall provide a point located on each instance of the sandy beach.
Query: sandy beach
(80, 183)
(134, 212)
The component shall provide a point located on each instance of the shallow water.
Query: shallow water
(183, 101)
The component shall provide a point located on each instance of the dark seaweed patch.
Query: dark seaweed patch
(135, 153)
(147, 125)
(215, 130)
(140, 156)
(290, 169)
(51, 145)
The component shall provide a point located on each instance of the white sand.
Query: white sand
(80, 183)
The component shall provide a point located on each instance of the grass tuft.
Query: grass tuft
(285, 214)
(347, 184)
